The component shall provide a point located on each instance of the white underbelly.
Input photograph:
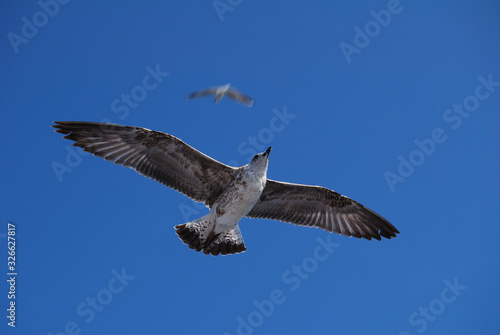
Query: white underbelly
(236, 203)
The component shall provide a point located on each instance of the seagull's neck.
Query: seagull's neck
(257, 172)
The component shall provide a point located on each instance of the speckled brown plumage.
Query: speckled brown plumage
(175, 164)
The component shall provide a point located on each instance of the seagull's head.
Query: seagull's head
(260, 161)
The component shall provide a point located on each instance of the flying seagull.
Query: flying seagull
(220, 91)
(231, 193)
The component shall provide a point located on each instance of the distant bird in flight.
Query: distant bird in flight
(231, 193)
(220, 91)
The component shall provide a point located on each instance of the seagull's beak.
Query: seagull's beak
(268, 151)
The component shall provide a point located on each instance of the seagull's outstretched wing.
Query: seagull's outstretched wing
(202, 93)
(240, 97)
(153, 154)
(320, 207)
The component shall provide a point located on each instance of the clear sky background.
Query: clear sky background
(369, 114)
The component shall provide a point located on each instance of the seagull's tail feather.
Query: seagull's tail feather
(199, 235)
(193, 233)
(228, 242)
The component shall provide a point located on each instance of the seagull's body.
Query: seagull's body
(231, 193)
(220, 91)
(220, 225)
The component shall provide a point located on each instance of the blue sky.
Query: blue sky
(393, 104)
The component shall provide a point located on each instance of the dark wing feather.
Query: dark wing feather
(320, 207)
(240, 97)
(153, 154)
(202, 93)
